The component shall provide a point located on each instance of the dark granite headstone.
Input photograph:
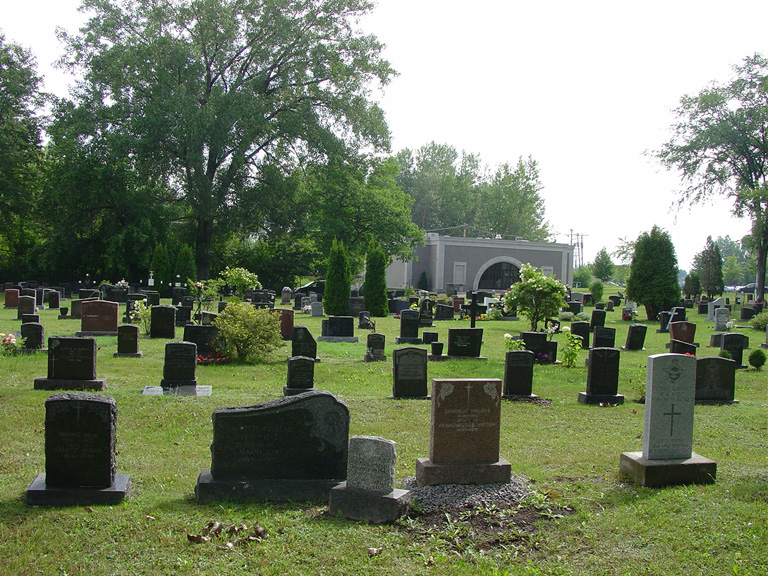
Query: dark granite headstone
(80, 440)
(294, 448)
(602, 377)
(464, 434)
(518, 374)
(683, 331)
(183, 315)
(180, 365)
(581, 329)
(71, 365)
(604, 337)
(356, 304)
(715, 380)
(734, 343)
(53, 300)
(128, 341)
(635, 337)
(163, 322)
(301, 375)
(204, 336)
(536, 342)
(303, 343)
(409, 373)
(680, 347)
(409, 327)
(33, 334)
(465, 342)
(664, 318)
(25, 305)
(575, 307)
(286, 322)
(26, 318)
(375, 346)
(443, 312)
(338, 327)
(678, 314)
(598, 319)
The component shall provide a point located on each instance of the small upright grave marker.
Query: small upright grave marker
(409, 373)
(715, 380)
(518, 374)
(99, 318)
(602, 377)
(128, 341)
(71, 365)
(301, 375)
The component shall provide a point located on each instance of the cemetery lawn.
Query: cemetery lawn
(582, 517)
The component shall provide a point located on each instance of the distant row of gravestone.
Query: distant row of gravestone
(298, 447)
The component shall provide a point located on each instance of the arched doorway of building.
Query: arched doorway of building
(499, 276)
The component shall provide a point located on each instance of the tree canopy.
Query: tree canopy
(709, 264)
(602, 267)
(720, 146)
(206, 93)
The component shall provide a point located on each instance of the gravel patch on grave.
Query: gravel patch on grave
(450, 496)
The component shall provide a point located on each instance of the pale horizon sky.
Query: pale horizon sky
(585, 88)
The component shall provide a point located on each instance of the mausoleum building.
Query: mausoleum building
(462, 264)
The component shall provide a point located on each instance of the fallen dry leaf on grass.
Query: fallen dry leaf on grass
(197, 538)
(374, 551)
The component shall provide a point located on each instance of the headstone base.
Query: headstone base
(64, 384)
(38, 494)
(128, 355)
(177, 391)
(519, 397)
(660, 473)
(696, 344)
(349, 339)
(261, 490)
(375, 358)
(94, 334)
(66, 317)
(430, 474)
(632, 349)
(448, 357)
(660, 331)
(585, 398)
(764, 345)
(10, 307)
(288, 391)
(715, 402)
(375, 508)
(406, 340)
(437, 357)
(173, 383)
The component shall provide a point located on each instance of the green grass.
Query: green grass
(567, 450)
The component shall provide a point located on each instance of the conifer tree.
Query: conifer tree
(375, 284)
(337, 281)
(652, 278)
(711, 269)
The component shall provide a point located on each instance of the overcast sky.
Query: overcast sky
(585, 88)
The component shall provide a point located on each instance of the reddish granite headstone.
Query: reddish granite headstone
(11, 298)
(99, 317)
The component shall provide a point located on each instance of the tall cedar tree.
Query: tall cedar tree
(711, 269)
(692, 285)
(602, 267)
(375, 284)
(652, 278)
(337, 281)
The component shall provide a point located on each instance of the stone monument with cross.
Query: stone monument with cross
(474, 309)
(667, 458)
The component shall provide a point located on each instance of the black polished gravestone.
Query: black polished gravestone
(664, 318)
(465, 343)
(33, 335)
(581, 329)
(678, 314)
(294, 448)
(733, 343)
(301, 375)
(409, 327)
(604, 337)
(80, 440)
(127, 342)
(602, 377)
(443, 312)
(25, 305)
(409, 373)
(71, 365)
(205, 336)
(338, 329)
(303, 343)
(375, 345)
(179, 368)
(518, 375)
(680, 347)
(597, 319)
(635, 337)
(163, 322)
(715, 380)
(545, 351)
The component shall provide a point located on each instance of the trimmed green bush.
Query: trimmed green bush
(597, 291)
(375, 284)
(247, 333)
(760, 322)
(756, 359)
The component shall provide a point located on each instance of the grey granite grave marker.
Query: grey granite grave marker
(464, 434)
(667, 457)
(25, 305)
(33, 334)
(369, 493)
(721, 319)
(294, 448)
(375, 346)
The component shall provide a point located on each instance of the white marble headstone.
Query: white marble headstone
(670, 392)
(721, 319)
(712, 306)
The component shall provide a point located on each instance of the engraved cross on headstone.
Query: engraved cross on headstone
(474, 309)
(672, 415)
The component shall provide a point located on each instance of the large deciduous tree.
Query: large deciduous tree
(652, 278)
(20, 151)
(602, 267)
(720, 146)
(205, 93)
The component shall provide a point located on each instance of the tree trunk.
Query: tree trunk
(762, 253)
(203, 247)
